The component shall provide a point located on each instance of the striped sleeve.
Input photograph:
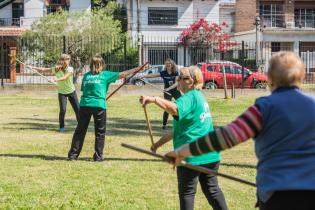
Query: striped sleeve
(246, 126)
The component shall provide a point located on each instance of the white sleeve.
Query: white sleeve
(70, 69)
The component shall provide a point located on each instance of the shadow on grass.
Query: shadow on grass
(238, 165)
(115, 126)
(53, 158)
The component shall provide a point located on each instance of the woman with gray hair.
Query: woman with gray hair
(192, 120)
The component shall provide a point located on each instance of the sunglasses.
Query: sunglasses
(181, 77)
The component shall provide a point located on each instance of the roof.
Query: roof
(4, 3)
(11, 31)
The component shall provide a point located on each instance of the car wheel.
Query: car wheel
(211, 85)
(139, 83)
(261, 85)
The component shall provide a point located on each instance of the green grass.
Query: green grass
(34, 173)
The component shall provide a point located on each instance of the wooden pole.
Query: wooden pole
(186, 165)
(148, 124)
(127, 80)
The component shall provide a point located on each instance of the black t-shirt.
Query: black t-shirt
(168, 79)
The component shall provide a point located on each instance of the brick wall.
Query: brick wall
(245, 13)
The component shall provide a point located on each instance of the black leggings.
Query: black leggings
(187, 186)
(291, 200)
(174, 94)
(85, 114)
(63, 106)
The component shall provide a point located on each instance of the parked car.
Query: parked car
(212, 72)
(154, 69)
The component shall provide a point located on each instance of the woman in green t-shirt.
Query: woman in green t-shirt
(93, 102)
(192, 119)
(64, 78)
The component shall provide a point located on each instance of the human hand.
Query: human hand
(144, 100)
(176, 157)
(153, 148)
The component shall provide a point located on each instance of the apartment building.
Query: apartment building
(284, 25)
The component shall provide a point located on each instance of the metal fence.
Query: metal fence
(244, 64)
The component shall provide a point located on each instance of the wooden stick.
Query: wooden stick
(156, 87)
(186, 165)
(127, 80)
(148, 124)
(36, 72)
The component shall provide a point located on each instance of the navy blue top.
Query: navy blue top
(285, 148)
(168, 79)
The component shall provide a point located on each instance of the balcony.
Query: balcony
(305, 21)
(273, 21)
(10, 22)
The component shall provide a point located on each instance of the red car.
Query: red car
(213, 75)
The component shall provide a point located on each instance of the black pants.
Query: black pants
(85, 114)
(290, 200)
(174, 94)
(63, 106)
(187, 186)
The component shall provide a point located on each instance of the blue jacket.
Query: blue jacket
(285, 148)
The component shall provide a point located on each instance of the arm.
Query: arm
(168, 106)
(150, 76)
(171, 87)
(246, 126)
(124, 74)
(40, 69)
(65, 77)
(163, 140)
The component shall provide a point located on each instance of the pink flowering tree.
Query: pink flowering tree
(201, 34)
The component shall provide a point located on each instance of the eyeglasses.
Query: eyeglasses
(180, 77)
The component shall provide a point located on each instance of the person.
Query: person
(192, 119)
(66, 89)
(168, 75)
(283, 128)
(93, 102)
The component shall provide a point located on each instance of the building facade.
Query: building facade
(284, 25)
(157, 24)
(16, 16)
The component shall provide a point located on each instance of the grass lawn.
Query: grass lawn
(34, 172)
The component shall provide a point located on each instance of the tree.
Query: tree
(203, 34)
(80, 34)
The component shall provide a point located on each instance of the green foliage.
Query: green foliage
(80, 34)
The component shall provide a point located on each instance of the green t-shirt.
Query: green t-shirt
(65, 86)
(194, 120)
(94, 88)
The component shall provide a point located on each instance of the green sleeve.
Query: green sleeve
(184, 106)
(111, 76)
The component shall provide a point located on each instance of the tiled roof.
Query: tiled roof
(8, 31)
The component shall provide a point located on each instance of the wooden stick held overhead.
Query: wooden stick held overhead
(127, 80)
(186, 165)
(148, 124)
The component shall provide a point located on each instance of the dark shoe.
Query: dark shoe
(164, 127)
(98, 158)
(61, 130)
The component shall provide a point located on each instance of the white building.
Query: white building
(16, 16)
(158, 25)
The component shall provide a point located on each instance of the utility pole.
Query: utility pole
(257, 24)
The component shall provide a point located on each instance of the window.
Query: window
(211, 68)
(275, 46)
(158, 55)
(228, 69)
(17, 12)
(162, 16)
(304, 18)
(238, 70)
(271, 15)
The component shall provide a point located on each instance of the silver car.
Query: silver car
(154, 69)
